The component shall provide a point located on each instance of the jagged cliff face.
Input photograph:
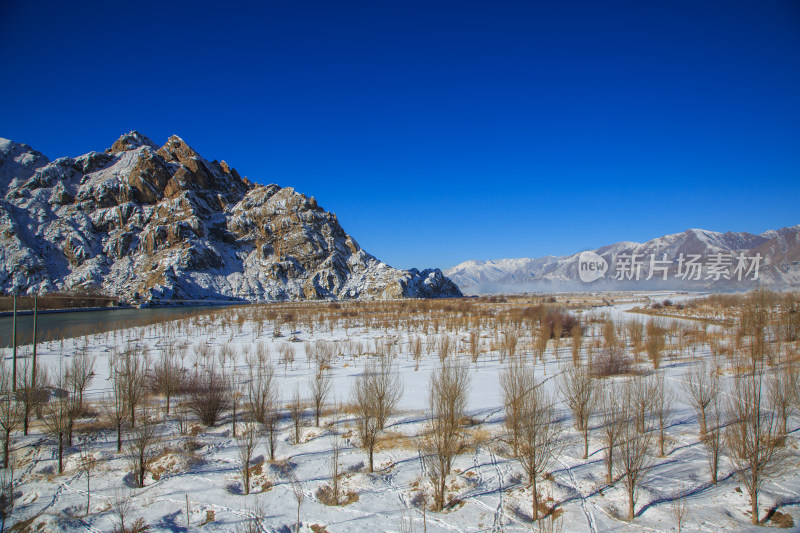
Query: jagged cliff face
(145, 222)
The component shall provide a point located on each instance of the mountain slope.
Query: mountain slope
(148, 222)
(779, 266)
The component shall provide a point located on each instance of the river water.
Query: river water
(52, 326)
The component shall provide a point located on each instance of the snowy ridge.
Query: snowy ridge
(148, 223)
(779, 267)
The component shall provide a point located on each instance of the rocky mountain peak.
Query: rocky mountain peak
(130, 141)
(153, 223)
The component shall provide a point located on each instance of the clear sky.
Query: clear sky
(440, 131)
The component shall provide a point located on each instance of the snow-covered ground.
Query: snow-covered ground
(204, 469)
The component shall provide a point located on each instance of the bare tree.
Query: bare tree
(415, 347)
(88, 464)
(654, 345)
(663, 398)
(335, 466)
(712, 440)
(262, 396)
(296, 412)
(10, 412)
(515, 380)
(612, 425)
(58, 415)
(299, 496)
(31, 391)
(387, 389)
(320, 385)
(209, 394)
(751, 437)
(577, 340)
(166, 378)
(116, 408)
(80, 373)
(475, 345)
(581, 394)
(447, 400)
(781, 390)
(540, 442)
(247, 441)
(141, 446)
(702, 386)
(132, 367)
(631, 460)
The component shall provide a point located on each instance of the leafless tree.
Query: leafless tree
(540, 442)
(752, 437)
(654, 345)
(335, 466)
(577, 340)
(167, 375)
(141, 446)
(713, 440)
(80, 373)
(663, 398)
(631, 460)
(612, 425)
(582, 395)
(781, 392)
(320, 385)
(121, 508)
(415, 347)
(132, 367)
(515, 382)
(299, 496)
(296, 412)
(31, 391)
(702, 386)
(262, 396)
(679, 511)
(88, 464)
(445, 347)
(447, 399)
(474, 345)
(10, 411)
(58, 415)
(387, 389)
(116, 408)
(247, 441)
(209, 394)
(643, 393)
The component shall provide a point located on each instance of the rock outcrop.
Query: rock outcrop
(162, 223)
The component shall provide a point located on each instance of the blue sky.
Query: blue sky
(447, 130)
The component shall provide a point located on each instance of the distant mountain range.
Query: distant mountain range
(695, 260)
(162, 223)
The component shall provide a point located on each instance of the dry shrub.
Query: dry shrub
(316, 528)
(326, 496)
(782, 520)
(609, 362)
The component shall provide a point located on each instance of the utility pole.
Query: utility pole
(14, 344)
(33, 365)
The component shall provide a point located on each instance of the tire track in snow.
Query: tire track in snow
(589, 516)
(499, 513)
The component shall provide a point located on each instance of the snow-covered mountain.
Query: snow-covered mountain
(148, 222)
(725, 261)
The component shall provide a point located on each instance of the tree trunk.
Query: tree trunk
(5, 449)
(535, 498)
(586, 442)
(119, 436)
(371, 450)
(754, 507)
(60, 453)
(631, 504)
